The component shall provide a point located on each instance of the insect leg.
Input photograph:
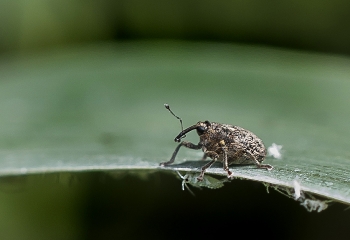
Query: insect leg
(204, 157)
(224, 150)
(213, 155)
(185, 144)
(264, 166)
(259, 165)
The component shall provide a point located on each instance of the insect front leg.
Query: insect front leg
(214, 156)
(185, 144)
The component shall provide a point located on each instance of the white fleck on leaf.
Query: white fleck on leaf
(296, 189)
(275, 151)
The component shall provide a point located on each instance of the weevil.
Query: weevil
(222, 142)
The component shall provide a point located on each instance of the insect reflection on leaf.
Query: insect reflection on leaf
(208, 181)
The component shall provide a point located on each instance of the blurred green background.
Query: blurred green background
(83, 83)
(308, 25)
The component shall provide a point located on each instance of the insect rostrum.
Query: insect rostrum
(225, 143)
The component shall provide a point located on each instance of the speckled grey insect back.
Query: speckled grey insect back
(225, 143)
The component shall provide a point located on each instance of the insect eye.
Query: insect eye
(201, 130)
(207, 123)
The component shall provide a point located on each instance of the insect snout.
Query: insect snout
(177, 139)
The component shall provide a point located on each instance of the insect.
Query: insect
(222, 142)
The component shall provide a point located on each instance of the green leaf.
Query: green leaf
(100, 108)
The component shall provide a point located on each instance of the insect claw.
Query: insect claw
(269, 167)
(162, 164)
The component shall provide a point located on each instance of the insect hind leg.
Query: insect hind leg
(264, 166)
(260, 165)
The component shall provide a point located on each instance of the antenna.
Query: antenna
(168, 107)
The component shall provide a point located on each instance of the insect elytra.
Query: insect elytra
(226, 143)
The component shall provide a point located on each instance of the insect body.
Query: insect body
(225, 143)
